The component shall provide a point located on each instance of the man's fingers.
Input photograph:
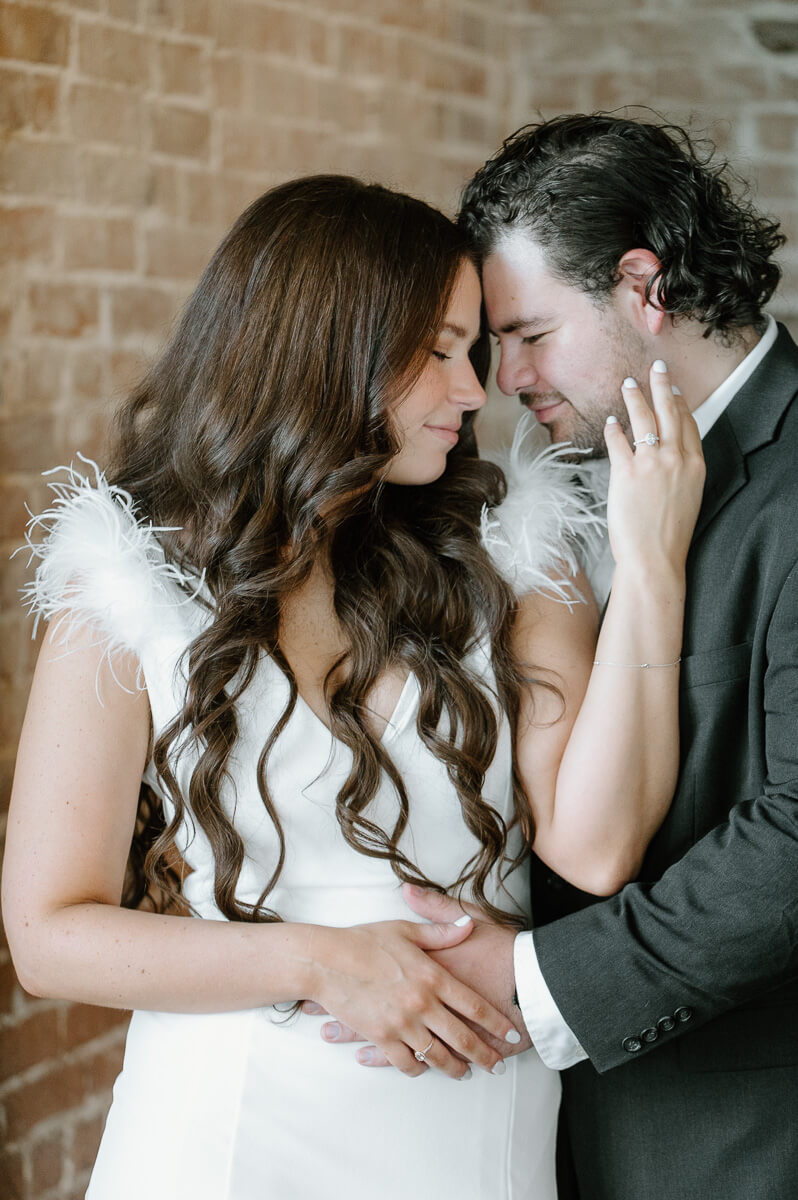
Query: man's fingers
(336, 1031)
(436, 907)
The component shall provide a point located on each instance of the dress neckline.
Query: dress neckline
(393, 726)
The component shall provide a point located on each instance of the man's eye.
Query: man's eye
(532, 339)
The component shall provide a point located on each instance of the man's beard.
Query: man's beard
(585, 430)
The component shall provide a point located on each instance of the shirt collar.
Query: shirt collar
(707, 413)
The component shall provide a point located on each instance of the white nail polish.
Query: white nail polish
(513, 1037)
(466, 1076)
(677, 391)
(611, 420)
(660, 367)
(464, 920)
(500, 1067)
(629, 382)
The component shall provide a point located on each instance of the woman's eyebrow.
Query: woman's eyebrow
(458, 331)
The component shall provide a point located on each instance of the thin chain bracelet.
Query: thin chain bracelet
(638, 666)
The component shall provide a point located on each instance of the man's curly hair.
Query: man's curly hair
(588, 188)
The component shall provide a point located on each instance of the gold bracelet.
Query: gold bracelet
(638, 666)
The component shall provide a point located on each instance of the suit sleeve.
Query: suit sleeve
(721, 925)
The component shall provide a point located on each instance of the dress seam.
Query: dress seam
(235, 1125)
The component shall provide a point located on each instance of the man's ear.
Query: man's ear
(636, 269)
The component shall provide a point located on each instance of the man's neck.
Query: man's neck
(699, 365)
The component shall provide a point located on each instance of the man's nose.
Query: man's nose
(514, 375)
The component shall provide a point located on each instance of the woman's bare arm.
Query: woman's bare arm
(600, 778)
(70, 824)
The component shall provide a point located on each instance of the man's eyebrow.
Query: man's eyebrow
(523, 323)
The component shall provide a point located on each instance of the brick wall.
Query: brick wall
(134, 131)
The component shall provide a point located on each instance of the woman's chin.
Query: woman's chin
(416, 474)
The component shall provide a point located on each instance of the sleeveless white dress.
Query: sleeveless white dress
(248, 1105)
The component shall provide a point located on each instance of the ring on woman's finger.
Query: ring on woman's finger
(419, 1054)
(650, 439)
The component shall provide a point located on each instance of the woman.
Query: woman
(301, 645)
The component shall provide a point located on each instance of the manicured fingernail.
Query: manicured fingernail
(677, 391)
(500, 1068)
(366, 1057)
(464, 920)
(514, 1037)
(629, 382)
(660, 367)
(467, 1075)
(611, 420)
(332, 1030)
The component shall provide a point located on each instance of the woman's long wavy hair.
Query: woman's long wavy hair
(262, 434)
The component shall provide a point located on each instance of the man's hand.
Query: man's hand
(484, 962)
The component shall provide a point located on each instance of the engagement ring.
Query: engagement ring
(419, 1054)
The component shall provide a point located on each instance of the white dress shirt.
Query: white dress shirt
(554, 1041)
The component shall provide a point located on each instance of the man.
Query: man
(671, 1008)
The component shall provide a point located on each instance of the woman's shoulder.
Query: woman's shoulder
(548, 525)
(99, 562)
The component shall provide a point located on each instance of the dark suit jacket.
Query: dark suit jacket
(683, 989)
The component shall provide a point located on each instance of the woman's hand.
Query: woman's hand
(655, 490)
(378, 980)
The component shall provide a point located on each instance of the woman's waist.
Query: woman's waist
(343, 904)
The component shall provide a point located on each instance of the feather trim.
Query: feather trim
(100, 563)
(547, 526)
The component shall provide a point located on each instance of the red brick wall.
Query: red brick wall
(133, 131)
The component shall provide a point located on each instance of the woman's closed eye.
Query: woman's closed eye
(441, 355)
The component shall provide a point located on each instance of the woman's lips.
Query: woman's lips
(449, 435)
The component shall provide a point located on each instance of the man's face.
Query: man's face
(562, 354)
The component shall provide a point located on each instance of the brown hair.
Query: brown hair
(269, 408)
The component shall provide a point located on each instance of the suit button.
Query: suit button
(683, 1014)
(649, 1035)
(666, 1024)
(632, 1044)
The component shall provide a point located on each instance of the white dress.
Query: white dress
(248, 1105)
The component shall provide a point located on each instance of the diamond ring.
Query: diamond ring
(419, 1054)
(650, 439)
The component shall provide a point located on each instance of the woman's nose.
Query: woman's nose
(467, 391)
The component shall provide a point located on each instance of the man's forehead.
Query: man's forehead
(518, 286)
(518, 248)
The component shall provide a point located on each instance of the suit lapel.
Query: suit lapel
(750, 421)
(726, 472)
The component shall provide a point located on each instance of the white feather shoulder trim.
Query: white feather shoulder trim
(101, 564)
(547, 525)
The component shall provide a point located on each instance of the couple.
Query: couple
(305, 663)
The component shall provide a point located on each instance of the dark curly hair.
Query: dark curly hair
(260, 436)
(588, 188)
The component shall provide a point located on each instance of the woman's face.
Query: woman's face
(428, 417)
